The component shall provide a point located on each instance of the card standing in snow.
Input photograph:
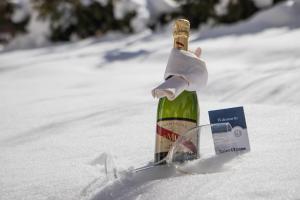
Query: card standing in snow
(235, 140)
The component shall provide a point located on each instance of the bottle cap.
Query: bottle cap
(181, 28)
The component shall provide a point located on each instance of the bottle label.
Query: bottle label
(167, 132)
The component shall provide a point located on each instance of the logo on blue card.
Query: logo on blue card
(235, 139)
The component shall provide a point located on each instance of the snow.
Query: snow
(161, 6)
(21, 12)
(146, 11)
(123, 7)
(285, 14)
(37, 31)
(221, 7)
(263, 3)
(89, 2)
(65, 108)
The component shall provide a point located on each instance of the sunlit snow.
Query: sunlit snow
(66, 108)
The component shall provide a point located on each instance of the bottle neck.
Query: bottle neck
(181, 42)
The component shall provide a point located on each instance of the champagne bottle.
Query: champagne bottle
(176, 117)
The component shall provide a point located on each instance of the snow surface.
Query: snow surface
(65, 108)
(263, 3)
(21, 12)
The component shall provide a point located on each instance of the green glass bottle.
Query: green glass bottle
(176, 117)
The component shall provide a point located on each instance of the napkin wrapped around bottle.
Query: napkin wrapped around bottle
(184, 71)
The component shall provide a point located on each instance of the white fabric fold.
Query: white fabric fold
(188, 73)
(171, 88)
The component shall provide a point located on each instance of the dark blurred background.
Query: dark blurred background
(67, 19)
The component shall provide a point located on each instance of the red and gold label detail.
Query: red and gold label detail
(167, 132)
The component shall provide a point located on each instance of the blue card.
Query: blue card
(234, 140)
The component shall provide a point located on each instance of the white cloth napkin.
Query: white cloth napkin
(188, 73)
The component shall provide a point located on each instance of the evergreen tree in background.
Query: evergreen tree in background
(237, 10)
(9, 27)
(72, 18)
(199, 12)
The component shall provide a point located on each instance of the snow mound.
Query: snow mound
(285, 14)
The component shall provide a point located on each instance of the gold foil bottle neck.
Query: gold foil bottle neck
(181, 31)
(181, 28)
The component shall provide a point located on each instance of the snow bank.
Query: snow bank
(285, 14)
(263, 3)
